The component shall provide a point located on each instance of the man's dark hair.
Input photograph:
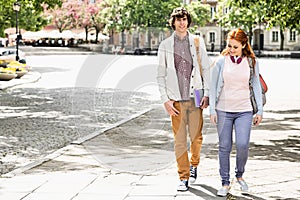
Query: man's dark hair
(179, 12)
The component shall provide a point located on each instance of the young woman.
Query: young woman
(230, 105)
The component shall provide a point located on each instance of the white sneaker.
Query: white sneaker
(183, 186)
(243, 185)
(223, 191)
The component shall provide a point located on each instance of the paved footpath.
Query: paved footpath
(82, 170)
(135, 161)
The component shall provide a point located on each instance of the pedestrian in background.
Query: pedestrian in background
(178, 76)
(230, 105)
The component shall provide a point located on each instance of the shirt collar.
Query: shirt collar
(185, 38)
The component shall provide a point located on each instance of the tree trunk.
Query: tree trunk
(250, 36)
(250, 33)
(86, 33)
(112, 41)
(97, 33)
(122, 43)
(149, 38)
(281, 39)
(138, 38)
(149, 34)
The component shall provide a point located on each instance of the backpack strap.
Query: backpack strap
(197, 45)
(262, 82)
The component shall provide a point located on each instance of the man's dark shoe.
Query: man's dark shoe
(193, 174)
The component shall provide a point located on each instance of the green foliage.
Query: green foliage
(200, 13)
(282, 13)
(149, 13)
(236, 16)
(117, 15)
(29, 15)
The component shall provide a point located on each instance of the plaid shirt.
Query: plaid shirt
(183, 65)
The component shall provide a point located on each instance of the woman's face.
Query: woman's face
(235, 47)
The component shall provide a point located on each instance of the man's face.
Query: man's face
(181, 24)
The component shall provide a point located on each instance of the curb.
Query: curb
(96, 133)
(36, 163)
(30, 77)
(62, 150)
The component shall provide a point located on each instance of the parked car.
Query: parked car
(144, 51)
(10, 54)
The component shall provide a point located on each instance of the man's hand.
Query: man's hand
(169, 106)
(204, 102)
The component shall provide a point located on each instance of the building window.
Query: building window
(274, 36)
(212, 12)
(226, 10)
(212, 37)
(161, 36)
(292, 36)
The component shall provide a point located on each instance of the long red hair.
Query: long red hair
(240, 36)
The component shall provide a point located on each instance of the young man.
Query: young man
(178, 76)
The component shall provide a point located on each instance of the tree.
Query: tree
(200, 13)
(148, 15)
(115, 17)
(75, 14)
(84, 18)
(61, 17)
(285, 14)
(241, 15)
(29, 15)
(282, 13)
(96, 17)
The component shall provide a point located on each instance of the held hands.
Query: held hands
(257, 119)
(169, 106)
(204, 102)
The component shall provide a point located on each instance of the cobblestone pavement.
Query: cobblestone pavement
(35, 122)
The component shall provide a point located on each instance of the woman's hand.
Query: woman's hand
(213, 119)
(169, 106)
(257, 119)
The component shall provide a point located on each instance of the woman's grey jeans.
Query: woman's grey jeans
(241, 122)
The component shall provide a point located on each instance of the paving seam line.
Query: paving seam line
(62, 150)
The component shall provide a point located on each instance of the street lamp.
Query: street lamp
(16, 7)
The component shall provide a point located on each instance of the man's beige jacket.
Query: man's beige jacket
(166, 72)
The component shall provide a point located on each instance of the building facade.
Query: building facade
(214, 36)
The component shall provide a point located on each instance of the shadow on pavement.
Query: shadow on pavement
(286, 149)
(212, 190)
(43, 70)
(203, 194)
